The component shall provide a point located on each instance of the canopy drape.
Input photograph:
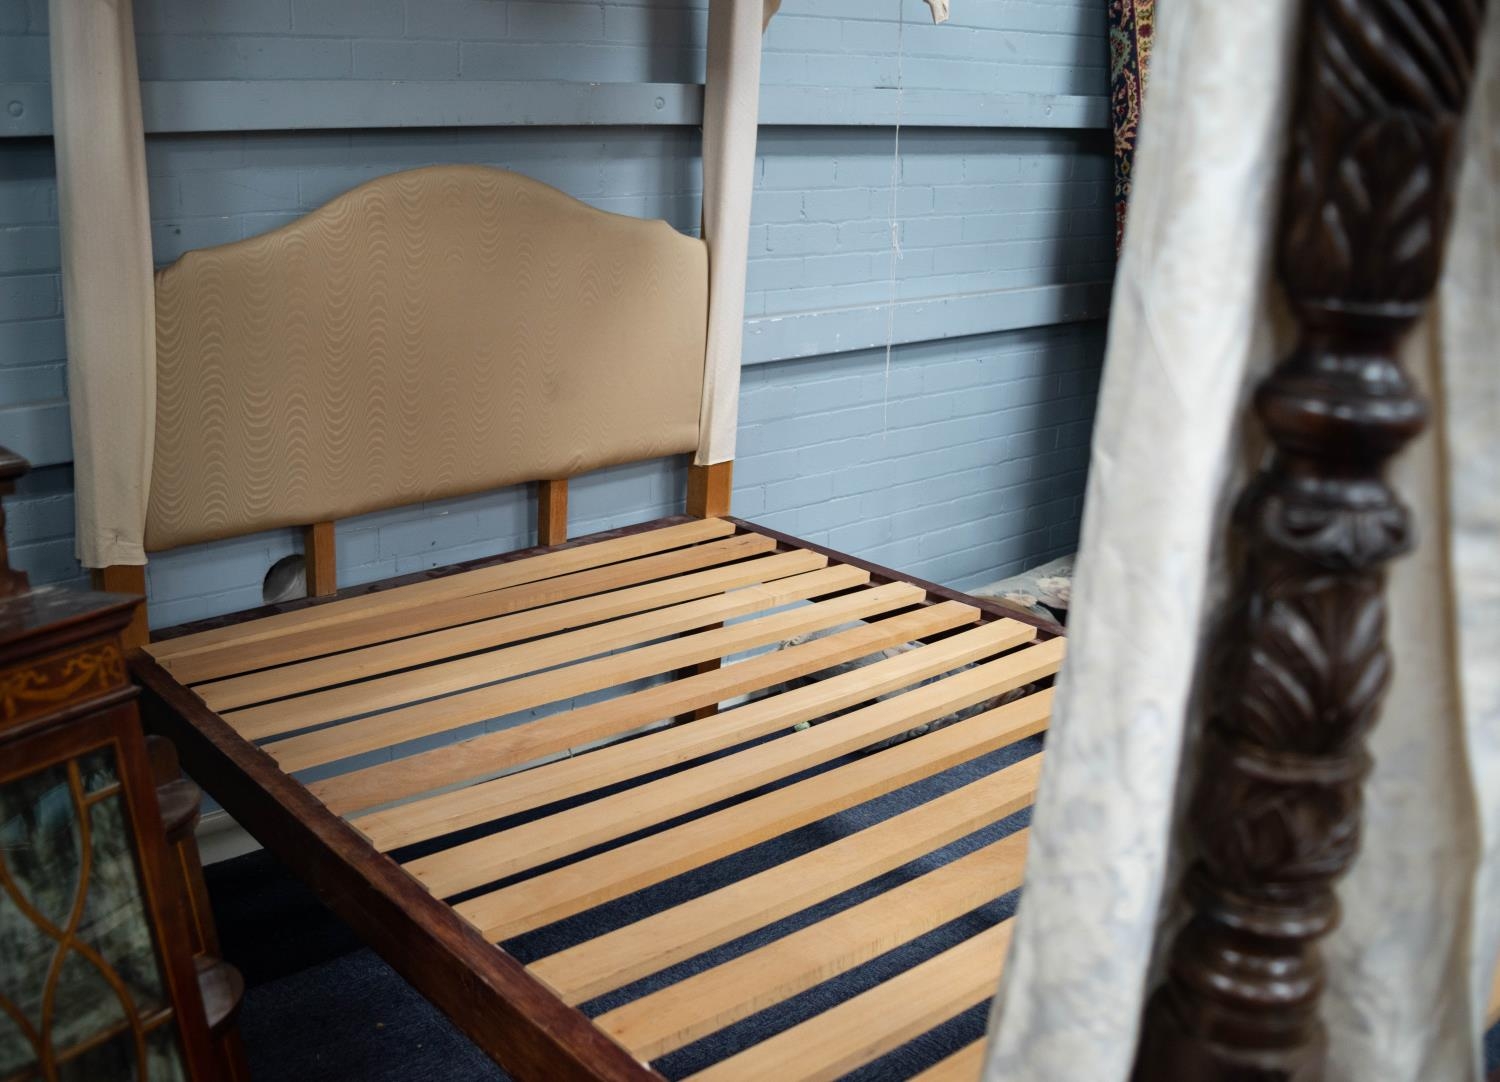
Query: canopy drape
(108, 305)
(731, 105)
(1194, 325)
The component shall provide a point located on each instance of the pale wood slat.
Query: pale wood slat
(491, 753)
(692, 1008)
(480, 580)
(487, 801)
(553, 895)
(357, 664)
(429, 719)
(882, 1019)
(298, 644)
(964, 1065)
(616, 958)
(1493, 1014)
(530, 845)
(398, 689)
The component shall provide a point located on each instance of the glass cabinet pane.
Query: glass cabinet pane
(80, 956)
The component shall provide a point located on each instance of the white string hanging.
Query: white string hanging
(894, 223)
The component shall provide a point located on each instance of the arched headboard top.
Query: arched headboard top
(428, 334)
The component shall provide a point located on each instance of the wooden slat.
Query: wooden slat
(466, 708)
(446, 812)
(320, 559)
(1493, 1014)
(882, 1019)
(530, 845)
(381, 693)
(616, 958)
(692, 1008)
(963, 1066)
(295, 645)
(582, 885)
(544, 565)
(237, 691)
(551, 512)
(490, 754)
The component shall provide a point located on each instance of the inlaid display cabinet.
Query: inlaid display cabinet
(107, 947)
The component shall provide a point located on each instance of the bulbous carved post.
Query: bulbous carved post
(1300, 665)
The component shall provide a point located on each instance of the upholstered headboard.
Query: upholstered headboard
(428, 334)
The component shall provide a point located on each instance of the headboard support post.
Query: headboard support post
(321, 556)
(127, 579)
(551, 512)
(709, 489)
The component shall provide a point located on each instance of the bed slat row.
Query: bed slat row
(513, 736)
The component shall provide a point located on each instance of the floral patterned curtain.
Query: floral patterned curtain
(1130, 24)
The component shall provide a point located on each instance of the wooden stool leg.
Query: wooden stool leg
(222, 987)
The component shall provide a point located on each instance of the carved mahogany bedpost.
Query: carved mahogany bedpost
(1300, 664)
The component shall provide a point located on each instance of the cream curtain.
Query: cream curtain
(731, 104)
(1192, 328)
(106, 276)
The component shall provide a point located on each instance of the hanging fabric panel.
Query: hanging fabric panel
(731, 103)
(1131, 24)
(1194, 325)
(1410, 968)
(108, 306)
(1469, 311)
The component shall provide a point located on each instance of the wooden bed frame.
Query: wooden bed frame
(292, 344)
(523, 1016)
(254, 699)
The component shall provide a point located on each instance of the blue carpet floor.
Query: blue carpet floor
(320, 1007)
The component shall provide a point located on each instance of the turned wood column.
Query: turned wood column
(1299, 665)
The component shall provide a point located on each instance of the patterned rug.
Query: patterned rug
(1130, 28)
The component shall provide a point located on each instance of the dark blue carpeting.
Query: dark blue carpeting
(322, 1008)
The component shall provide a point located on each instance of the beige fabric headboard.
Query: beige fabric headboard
(428, 334)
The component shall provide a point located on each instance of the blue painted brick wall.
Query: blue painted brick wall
(960, 460)
(1040, 46)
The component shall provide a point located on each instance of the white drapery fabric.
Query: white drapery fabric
(731, 106)
(106, 273)
(1193, 327)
